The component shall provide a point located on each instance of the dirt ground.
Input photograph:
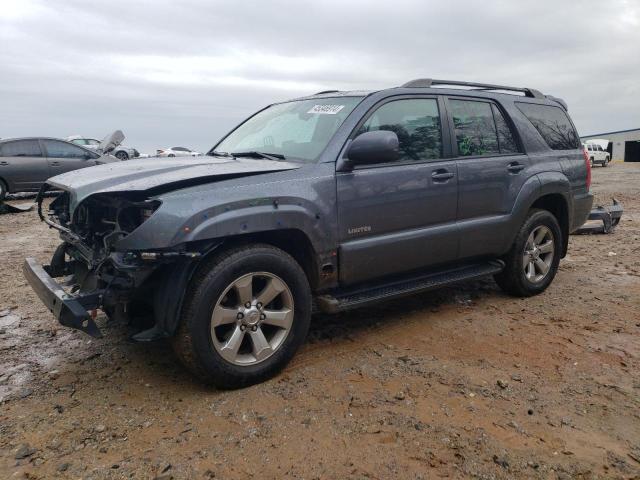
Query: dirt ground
(464, 382)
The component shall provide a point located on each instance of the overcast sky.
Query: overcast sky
(183, 73)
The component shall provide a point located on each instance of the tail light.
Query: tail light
(587, 163)
(158, 152)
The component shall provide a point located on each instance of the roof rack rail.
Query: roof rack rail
(326, 91)
(429, 82)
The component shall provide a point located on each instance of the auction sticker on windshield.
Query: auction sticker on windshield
(326, 109)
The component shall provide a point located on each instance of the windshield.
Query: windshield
(298, 130)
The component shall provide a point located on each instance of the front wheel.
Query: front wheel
(3, 190)
(122, 155)
(532, 262)
(606, 162)
(245, 315)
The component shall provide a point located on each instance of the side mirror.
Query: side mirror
(380, 146)
(87, 156)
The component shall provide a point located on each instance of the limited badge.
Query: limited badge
(326, 109)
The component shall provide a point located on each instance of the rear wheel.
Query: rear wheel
(122, 155)
(246, 313)
(3, 190)
(532, 262)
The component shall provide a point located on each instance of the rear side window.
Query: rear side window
(475, 128)
(506, 140)
(57, 149)
(417, 124)
(20, 148)
(553, 124)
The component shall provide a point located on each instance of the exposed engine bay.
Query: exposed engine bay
(127, 285)
(100, 221)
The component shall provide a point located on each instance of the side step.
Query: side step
(364, 296)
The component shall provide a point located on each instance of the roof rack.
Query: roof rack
(429, 82)
(326, 91)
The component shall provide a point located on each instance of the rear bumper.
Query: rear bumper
(581, 208)
(69, 309)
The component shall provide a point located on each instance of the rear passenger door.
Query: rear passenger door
(400, 216)
(22, 165)
(491, 172)
(65, 157)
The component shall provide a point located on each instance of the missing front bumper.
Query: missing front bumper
(609, 215)
(71, 310)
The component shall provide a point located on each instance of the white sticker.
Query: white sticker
(326, 109)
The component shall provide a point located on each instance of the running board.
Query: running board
(361, 297)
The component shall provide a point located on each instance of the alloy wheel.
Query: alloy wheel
(252, 318)
(538, 254)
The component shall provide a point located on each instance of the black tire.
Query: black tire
(513, 279)
(171, 155)
(605, 163)
(193, 342)
(3, 190)
(122, 155)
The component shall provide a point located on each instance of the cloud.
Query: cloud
(184, 73)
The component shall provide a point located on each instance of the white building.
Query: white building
(623, 145)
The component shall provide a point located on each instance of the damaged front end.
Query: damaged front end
(141, 287)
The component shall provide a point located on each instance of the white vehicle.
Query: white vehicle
(120, 151)
(177, 152)
(597, 154)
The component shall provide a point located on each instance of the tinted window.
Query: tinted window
(78, 141)
(180, 149)
(553, 125)
(417, 124)
(506, 140)
(57, 149)
(475, 128)
(21, 148)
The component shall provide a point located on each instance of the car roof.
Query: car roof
(33, 138)
(449, 87)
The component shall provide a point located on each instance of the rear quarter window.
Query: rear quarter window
(553, 124)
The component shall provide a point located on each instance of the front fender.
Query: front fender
(265, 216)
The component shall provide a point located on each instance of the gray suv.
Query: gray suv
(327, 202)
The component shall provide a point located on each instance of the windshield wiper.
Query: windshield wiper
(220, 154)
(269, 156)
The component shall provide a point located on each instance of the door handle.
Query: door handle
(55, 164)
(4, 164)
(515, 167)
(441, 176)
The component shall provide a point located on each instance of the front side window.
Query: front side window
(298, 130)
(475, 129)
(416, 122)
(20, 148)
(553, 124)
(57, 149)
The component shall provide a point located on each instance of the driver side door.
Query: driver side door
(400, 216)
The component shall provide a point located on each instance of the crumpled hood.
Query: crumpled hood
(159, 174)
